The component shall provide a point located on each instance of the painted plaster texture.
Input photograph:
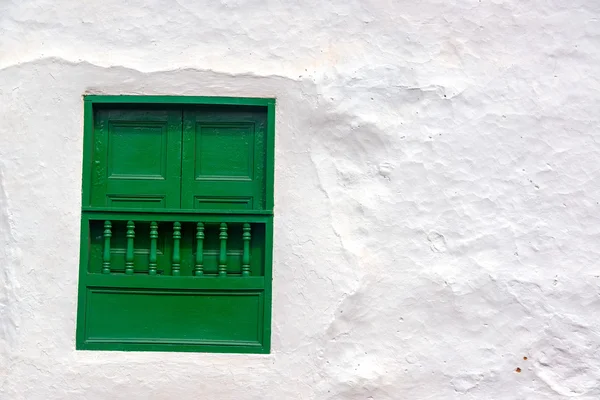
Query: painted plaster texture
(437, 193)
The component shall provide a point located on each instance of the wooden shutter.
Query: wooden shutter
(136, 159)
(176, 232)
(223, 159)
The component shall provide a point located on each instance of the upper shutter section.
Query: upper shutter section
(136, 161)
(224, 151)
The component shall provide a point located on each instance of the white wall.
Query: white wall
(437, 193)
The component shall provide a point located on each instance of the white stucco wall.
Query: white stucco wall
(437, 193)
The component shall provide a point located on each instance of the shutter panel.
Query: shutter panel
(223, 159)
(136, 159)
(149, 263)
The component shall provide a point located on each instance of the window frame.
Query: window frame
(265, 216)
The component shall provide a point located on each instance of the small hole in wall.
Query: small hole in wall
(518, 370)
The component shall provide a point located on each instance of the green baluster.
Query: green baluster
(176, 257)
(246, 254)
(199, 269)
(152, 257)
(129, 254)
(223, 253)
(106, 256)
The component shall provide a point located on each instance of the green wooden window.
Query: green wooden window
(177, 222)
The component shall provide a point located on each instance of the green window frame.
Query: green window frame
(176, 224)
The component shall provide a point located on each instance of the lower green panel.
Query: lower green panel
(174, 320)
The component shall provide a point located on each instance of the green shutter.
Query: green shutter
(136, 159)
(223, 159)
(176, 232)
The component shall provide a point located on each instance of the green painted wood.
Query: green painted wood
(84, 264)
(106, 255)
(246, 257)
(129, 254)
(270, 157)
(144, 281)
(173, 347)
(231, 154)
(192, 317)
(142, 247)
(223, 250)
(187, 217)
(136, 159)
(181, 212)
(176, 255)
(188, 246)
(147, 282)
(199, 267)
(88, 147)
(152, 257)
(223, 164)
(268, 274)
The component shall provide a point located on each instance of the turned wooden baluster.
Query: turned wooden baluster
(223, 253)
(106, 256)
(199, 268)
(129, 253)
(246, 254)
(152, 257)
(176, 257)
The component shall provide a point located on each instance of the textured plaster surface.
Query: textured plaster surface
(437, 193)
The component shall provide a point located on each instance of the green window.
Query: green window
(176, 226)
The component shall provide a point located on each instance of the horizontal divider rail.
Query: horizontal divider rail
(146, 282)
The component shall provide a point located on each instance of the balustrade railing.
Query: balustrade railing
(173, 240)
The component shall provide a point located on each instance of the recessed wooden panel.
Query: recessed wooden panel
(137, 150)
(223, 157)
(220, 203)
(224, 151)
(136, 201)
(136, 159)
(173, 316)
